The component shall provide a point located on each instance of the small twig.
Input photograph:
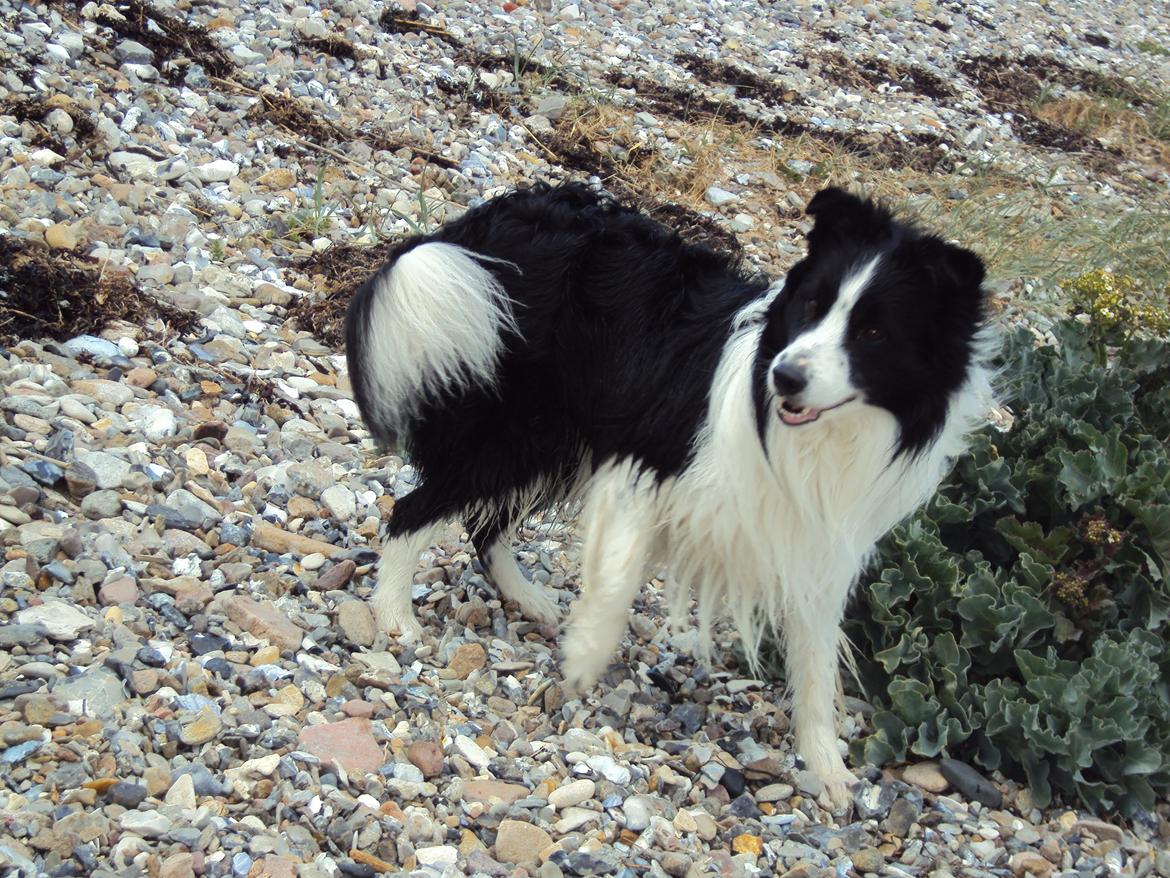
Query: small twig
(231, 83)
(552, 155)
(28, 452)
(414, 24)
(433, 157)
(12, 310)
(154, 559)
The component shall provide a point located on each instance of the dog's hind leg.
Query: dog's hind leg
(493, 541)
(617, 526)
(411, 529)
(391, 601)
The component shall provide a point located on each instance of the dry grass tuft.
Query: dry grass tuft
(1113, 122)
(710, 150)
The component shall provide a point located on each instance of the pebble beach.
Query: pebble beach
(191, 683)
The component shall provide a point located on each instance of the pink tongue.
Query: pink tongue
(802, 418)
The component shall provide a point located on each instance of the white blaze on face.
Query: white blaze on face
(819, 352)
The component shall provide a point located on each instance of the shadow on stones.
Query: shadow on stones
(574, 152)
(745, 83)
(917, 152)
(335, 46)
(295, 116)
(34, 110)
(396, 20)
(865, 73)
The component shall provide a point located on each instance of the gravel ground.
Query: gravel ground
(190, 680)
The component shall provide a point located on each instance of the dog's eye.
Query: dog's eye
(810, 309)
(871, 333)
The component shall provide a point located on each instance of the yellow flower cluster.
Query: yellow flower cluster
(1070, 590)
(1117, 302)
(1099, 533)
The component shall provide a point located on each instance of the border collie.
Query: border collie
(756, 440)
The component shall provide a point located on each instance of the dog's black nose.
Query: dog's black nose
(789, 379)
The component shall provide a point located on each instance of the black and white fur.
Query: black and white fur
(755, 439)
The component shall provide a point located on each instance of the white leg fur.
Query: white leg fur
(812, 638)
(617, 535)
(391, 601)
(535, 602)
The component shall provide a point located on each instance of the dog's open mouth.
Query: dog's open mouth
(793, 415)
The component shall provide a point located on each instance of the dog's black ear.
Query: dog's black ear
(955, 266)
(833, 199)
(840, 214)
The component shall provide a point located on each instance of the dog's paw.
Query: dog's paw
(397, 623)
(825, 762)
(583, 665)
(539, 607)
(533, 599)
(839, 789)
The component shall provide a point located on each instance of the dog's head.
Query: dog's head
(877, 314)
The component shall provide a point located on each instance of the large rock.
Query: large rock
(357, 621)
(427, 757)
(348, 744)
(61, 621)
(264, 620)
(488, 790)
(572, 793)
(520, 843)
(467, 658)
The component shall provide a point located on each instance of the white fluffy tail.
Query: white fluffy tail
(434, 322)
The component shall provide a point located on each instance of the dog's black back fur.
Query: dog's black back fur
(621, 326)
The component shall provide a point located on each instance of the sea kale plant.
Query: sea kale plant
(1020, 621)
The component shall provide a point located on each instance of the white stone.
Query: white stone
(91, 345)
(717, 197)
(147, 824)
(312, 27)
(244, 776)
(340, 501)
(471, 751)
(111, 471)
(132, 164)
(154, 421)
(217, 171)
(776, 792)
(573, 819)
(637, 813)
(227, 321)
(439, 855)
(572, 793)
(72, 43)
(182, 792)
(614, 773)
(46, 156)
(72, 407)
(62, 621)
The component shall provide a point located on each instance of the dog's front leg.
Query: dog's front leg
(616, 527)
(812, 635)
